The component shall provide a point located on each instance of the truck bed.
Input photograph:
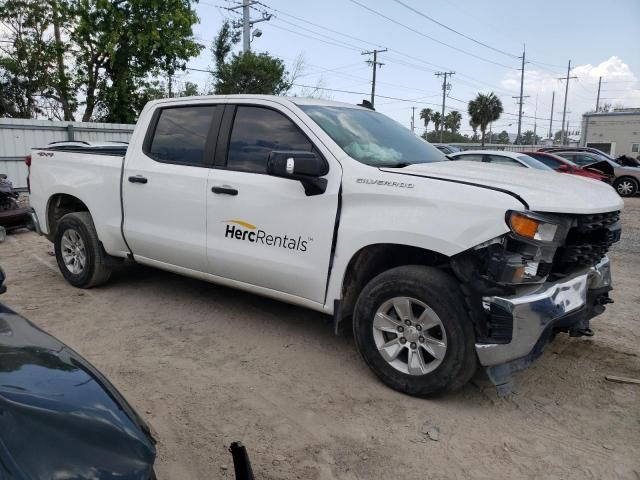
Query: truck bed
(92, 172)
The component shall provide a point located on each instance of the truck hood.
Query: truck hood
(543, 191)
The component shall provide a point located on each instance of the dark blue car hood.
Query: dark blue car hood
(59, 417)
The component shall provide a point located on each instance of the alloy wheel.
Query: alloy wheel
(74, 254)
(409, 335)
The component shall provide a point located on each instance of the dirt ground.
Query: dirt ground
(207, 365)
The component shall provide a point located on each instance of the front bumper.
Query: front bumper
(534, 318)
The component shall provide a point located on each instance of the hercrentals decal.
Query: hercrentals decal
(241, 230)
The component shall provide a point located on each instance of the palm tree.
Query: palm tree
(483, 110)
(474, 126)
(436, 118)
(426, 114)
(452, 121)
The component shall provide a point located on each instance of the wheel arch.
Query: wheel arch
(370, 261)
(60, 204)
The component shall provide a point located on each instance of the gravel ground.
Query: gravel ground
(206, 365)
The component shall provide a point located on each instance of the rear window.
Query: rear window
(181, 134)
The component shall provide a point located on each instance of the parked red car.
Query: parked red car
(563, 165)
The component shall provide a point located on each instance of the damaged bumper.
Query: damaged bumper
(533, 319)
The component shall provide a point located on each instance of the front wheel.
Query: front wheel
(626, 186)
(412, 329)
(79, 253)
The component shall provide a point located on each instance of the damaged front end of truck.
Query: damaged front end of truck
(549, 274)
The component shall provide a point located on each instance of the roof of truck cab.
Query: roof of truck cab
(273, 98)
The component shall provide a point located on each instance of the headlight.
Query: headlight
(532, 227)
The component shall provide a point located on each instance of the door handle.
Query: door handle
(225, 190)
(138, 179)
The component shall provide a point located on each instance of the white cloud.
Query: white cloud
(620, 88)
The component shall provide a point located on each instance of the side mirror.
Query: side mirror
(306, 167)
(564, 168)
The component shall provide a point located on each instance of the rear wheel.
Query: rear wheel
(79, 253)
(626, 186)
(412, 330)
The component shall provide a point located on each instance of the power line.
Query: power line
(389, 59)
(314, 38)
(321, 26)
(411, 100)
(427, 36)
(423, 15)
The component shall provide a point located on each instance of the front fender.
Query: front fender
(443, 217)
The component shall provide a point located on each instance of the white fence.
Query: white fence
(18, 137)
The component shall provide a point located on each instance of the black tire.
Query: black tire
(442, 294)
(96, 270)
(629, 182)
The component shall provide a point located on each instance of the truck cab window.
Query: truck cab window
(256, 133)
(181, 134)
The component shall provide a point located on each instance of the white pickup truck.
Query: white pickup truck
(439, 265)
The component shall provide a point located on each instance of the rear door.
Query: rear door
(264, 230)
(165, 186)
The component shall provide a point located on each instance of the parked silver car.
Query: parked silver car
(627, 179)
(500, 157)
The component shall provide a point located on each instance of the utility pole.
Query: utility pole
(247, 23)
(535, 124)
(445, 87)
(564, 110)
(520, 99)
(553, 98)
(375, 63)
(598, 97)
(246, 26)
(413, 119)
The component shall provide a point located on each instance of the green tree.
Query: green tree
(425, 116)
(436, 118)
(530, 138)
(246, 72)
(483, 110)
(120, 43)
(502, 137)
(26, 58)
(190, 89)
(447, 137)
(452, 121)
(251, 73)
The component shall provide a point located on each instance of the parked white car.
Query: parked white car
(500, 157)
(439, 265)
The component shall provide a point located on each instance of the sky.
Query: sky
(479, 40)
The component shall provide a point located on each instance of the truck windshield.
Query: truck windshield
(372, 138)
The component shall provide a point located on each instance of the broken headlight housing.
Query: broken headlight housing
(525, 254)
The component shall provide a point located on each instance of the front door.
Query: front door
(165, 187)
(264, 230)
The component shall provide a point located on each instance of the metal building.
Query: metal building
(616, 133)
(19, 136)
